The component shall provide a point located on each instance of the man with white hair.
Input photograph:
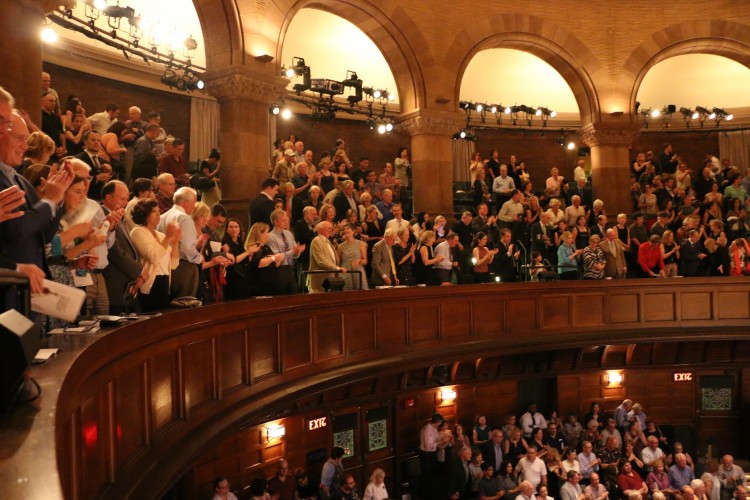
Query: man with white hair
(322, 257)
(680, 473)
(185, 278)
(596, 490)
(731, 477)
(383, 264)
(621, 414)
(281, 240)
(652, 453)
(165, 187)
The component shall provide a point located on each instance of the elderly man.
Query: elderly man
(165, 187)
(527, 491)
(492, 450)
(184, 282)
(614, 254)
(345, 201)
(304, 234)
(596, 490)
(22, 238)
(52, 124)
(322, 257)
(145, 163)
(281, 240)
(283, 171)
(731, 477)
(621, 414)
(383, 265)
(680, 474)
(571, 490)
(588, 460)
(652, 453)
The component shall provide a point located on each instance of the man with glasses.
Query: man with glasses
(282, 486)
(221, 489)
(348, 489)
(52, 124)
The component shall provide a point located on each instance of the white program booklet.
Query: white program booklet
(59, 301)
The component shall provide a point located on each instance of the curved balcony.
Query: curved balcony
(123, 414)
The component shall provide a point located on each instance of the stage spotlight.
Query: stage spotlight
(388, 127)
(493, 109)
(288, 72)
(49, 35)
(479, 107)
(391, 96)
(507, 110)
(462, 135)
(381, 128)
(286, 113)
(274, 109)
(377, 94)
(655, 113)
(571, 145)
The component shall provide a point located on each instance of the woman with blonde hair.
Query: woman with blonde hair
(39, 149)
(376, 489)
(670, 253)
(262, 274)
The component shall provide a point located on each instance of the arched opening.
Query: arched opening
(377, 23)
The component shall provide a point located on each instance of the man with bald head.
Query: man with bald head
(322, 257)
(731, 477)
(680, 474)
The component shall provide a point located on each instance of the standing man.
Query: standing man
(283, 171)
(429, 440)
(459, 481)
(731, 477)
(100, 171)
(691, 255)
(531, 420)
(52, 124)
(165, 187)
(101, 121)
(262, 206)
(492, 451)
(614, 253)
(281, 240)
(46, 82)
(621, 414)
(184, 281)
(332, 475)
(322, 257)
(445, 267)
(533, 468)
(344, 201)
(588, 461)
(383, 265)
(282, 486)
(144, 162)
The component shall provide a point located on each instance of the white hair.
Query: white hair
(184, 194)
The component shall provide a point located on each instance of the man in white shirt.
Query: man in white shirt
(532, 420)
(445, 266)
(184, 281)
(429, 439)
(503, 185)
(651, 453)
(281, 240)
(621, 414)
(105, 119)
(533, 468)
(527, 491)
(398, 223)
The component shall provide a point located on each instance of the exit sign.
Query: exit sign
(682, 376)
(317, 423)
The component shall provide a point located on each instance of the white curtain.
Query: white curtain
(736, 146)
(204, 127)
(462, 153)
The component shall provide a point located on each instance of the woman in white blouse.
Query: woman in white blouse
(158, 252)
(376, 489)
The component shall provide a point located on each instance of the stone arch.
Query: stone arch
(385, 23)
(222, 32)
(722, 38)
(544, 39)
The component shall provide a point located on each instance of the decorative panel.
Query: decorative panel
(623, 308)
(198, 373)
(164, 402)
(588, 310)
(423, 322)
(697, 305)
(360, 331)
(94, 443)
(391, 327)
(488, 316)
(296, 343)
(130, 414)
(264, 352)
(329, 337)
(659, 306)
(345, 440)
(521, 314)
(556, 312)
(377, 436)
(232, 360)
(734, 305)
(455, 318)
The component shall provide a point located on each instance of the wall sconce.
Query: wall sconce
(613, 378)
(275, 432)
(447, 395)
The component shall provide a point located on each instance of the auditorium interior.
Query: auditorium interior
(160, 407)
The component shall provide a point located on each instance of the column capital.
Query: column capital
(609, 134)
(241, 82)
(432, 122)
(46, 6)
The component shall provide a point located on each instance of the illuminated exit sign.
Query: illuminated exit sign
(682, 376)
(317, 423)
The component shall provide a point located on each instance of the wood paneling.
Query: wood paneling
(422, 322)
(624, 308)
(360, 331)
(131, 415)
(232, 361)
(199, 378)
(164, 399)
(330, 337)
(455, 319)
(297, 348)
(265, 349)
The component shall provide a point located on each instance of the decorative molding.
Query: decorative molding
(600, 134)
(422, 122)
(241, 82)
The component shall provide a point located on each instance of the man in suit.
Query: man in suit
(100, 172)
(124, 266)
(293, 205)
(505, 261)
(542, 239)
(612, 247)
(583, 192)
(344, 201)
(600, 229)
(22, 238)
(262, 206)
(322, 257)
(459, 479)
(383, 265)
(492, 450)
(691, 255)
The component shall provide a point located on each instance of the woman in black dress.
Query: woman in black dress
(262, 275)
(404, 257)
(234, 237)
(372, 232)
(424, 265)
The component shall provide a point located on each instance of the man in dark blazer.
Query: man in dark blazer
(304, 234)
(344, 201)
(124, 266)
(459, 477)
(691, 255)
(293, 205)
(542, 237)
(262, 206)
(101, 171)
(506, 258)
(492, 450)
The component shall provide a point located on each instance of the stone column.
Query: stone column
(432, 158)
(21, 50)
(244, 96)
(610, 163)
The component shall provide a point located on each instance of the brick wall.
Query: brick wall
(96, 92)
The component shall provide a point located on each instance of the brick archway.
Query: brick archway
(544, 39)
(222, 32)
(385, 24)
(721, 38)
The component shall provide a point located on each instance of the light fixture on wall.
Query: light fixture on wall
(447, 394)
(613, 378)
(275, 432)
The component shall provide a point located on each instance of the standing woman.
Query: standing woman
(376, 489)
(581, 232)
(425, 272)
(232, 242)
(72, 108)
(74, 134)
(439, 228)
(483, 257)
(670, 253)
(327, 180)
(475, 166)
(262, 273)
(160, 254)
(402, 166)
(481, 432)
(404, 256)
(352, 255)
(567, 256)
